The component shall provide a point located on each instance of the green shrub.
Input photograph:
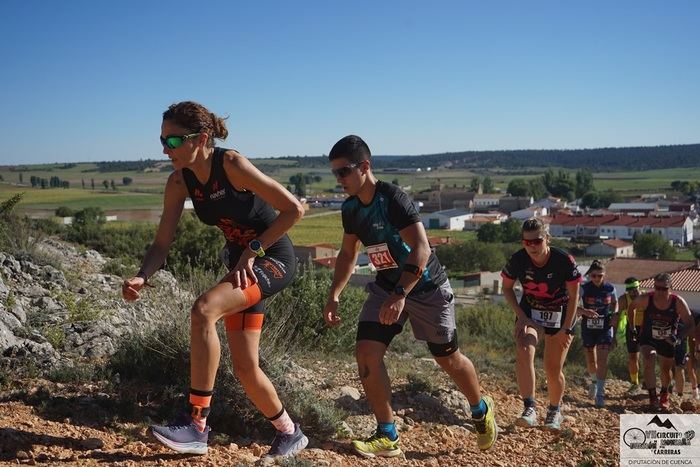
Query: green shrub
(55, 335)
(79, 373)
(10, 301)
(79, 310)
(17, 234)
(487, 324)
(195, 245)
(295, 317)
(123, 267)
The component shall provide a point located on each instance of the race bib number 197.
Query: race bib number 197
(380, 257)
(548, 319)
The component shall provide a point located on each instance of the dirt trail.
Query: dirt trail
(589, 434)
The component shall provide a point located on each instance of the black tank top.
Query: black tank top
(660, 324)
(241, 215)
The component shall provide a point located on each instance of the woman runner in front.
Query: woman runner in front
(229, 192)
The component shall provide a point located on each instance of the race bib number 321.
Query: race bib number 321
(380, 257)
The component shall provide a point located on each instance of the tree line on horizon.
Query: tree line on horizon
(595, 160)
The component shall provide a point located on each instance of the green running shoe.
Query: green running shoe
(486, 428)
(377, 445)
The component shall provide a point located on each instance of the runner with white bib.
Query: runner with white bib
(600, 315)
(662, 312)
(550, 282)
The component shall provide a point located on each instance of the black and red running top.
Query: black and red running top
(241, 215)
(661, 324)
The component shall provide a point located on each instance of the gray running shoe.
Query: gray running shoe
(287, 445)
(528, 419)
(182, 436)
(553, 420)
(592, 390)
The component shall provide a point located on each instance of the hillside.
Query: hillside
(66, 317)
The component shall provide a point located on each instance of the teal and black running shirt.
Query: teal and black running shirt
(377, 225)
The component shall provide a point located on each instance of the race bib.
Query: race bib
(547, 318)
(380, 257)
(661, 330)
(596, 323)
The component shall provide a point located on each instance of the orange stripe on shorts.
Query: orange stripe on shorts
(244, 322)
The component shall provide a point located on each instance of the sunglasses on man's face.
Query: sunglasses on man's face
(661, 289)
(175, 141)
(533, 241)
(342, 172)
(594, 276)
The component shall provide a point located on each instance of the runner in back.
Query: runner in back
(550, 282)
(597, 328)
(662, 312)
(684, 357)
(411, 284)
(694, 360)
(629, 325)
(229, 192)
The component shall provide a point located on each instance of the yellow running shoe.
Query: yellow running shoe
(377, 445)
(486, 428)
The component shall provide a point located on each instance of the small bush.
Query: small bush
(123, 267)
(55, 335)
(79, 373)
(79, 310)
(10, 301)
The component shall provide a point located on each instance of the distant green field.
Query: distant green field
(329, 229)
(146, 190)
(318, 229)
(35, 198)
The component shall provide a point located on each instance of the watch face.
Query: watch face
(255, 245)
(399, 290)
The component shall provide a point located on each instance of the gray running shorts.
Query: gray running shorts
(431, 313)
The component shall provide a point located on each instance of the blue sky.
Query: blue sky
(89, 80)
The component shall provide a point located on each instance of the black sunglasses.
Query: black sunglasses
(342, 172)
(661, 289)
(533, 241)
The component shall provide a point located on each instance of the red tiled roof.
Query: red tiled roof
(439, 240)
(615, 243)
(611, 219)
(685, 280)
(619, 269)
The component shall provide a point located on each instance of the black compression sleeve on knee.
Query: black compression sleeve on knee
(443, 350)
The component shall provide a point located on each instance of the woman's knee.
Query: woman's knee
(202, 312)
(524, 351)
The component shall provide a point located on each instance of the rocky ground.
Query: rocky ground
(68, 428)
(43, 322)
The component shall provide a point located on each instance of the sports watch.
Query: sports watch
(256, 247)
(570, 331)
(400, 290)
